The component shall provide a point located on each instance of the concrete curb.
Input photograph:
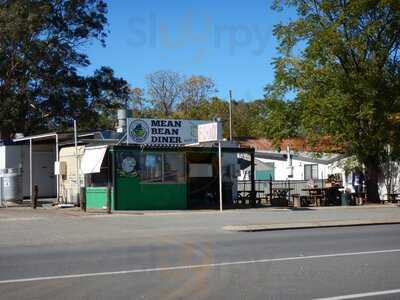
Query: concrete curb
(308, 225)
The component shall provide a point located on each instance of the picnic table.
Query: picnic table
(319, 195)
(316, 195)
(245, 195)
(280, 196)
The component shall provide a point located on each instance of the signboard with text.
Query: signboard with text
(210, 132)
(162, 131)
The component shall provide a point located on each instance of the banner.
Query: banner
(162, 132)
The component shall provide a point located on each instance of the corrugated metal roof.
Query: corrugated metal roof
(296, 144)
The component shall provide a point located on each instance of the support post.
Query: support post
(35, 197)
(109, 181)
(220, 174)
(30, 171)
(109, 199)
(252, 179)
(270, 189)
(82, 198)
(77, 161)
(58, 175)
(230, 115)
(2, 198)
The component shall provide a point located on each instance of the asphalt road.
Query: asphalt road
(156, 258)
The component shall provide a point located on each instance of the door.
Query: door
(43, 173)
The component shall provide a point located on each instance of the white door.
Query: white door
(43, 173)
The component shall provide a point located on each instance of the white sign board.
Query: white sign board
(210, 132)
(162, 132)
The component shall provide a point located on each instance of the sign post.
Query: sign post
(220, 174)
(212, 132)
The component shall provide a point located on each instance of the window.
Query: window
(174, 167)
(310, 172)
(200, 170)
(151, 168)
(128, 163)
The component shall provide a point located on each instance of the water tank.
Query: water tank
(10, 185)
(121, 115)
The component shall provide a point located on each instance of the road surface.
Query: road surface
(134, 257)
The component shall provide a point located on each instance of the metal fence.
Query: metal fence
(263, 186)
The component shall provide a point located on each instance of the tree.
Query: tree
(98, 102)
(275, 119)
(137, 101)
(341, 60)
(164, 88)
(196, 89)
(391, 171)
(40, 54)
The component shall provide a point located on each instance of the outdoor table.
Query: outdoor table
(279, 196)
(245, 195)
(320, 194)
(316, 194)
(283, 189)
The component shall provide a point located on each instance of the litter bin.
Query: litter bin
(346, 198)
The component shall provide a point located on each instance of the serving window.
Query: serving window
(151, 170)
(152, 167)
(174, 168)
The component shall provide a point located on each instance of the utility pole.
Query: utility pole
(230, 115)
(77, 161)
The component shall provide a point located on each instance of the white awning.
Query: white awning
(92, 159)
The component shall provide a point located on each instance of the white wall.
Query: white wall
(282, 171)
(43, 170)
(14, 156)
(2, 157)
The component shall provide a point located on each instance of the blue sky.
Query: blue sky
(228, 41)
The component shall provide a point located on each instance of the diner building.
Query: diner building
(149, 164)
(159, 177)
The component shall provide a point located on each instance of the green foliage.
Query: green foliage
(346, 77)
(40, 52)
(275, 119)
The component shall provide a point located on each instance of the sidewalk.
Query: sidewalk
(253, 219)
(310, 224)
(342, 216)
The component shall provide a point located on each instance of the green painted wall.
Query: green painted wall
(96, 197)
(132, 195)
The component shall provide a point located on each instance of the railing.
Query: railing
(265, 185)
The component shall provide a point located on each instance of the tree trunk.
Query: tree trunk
(373, 171)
